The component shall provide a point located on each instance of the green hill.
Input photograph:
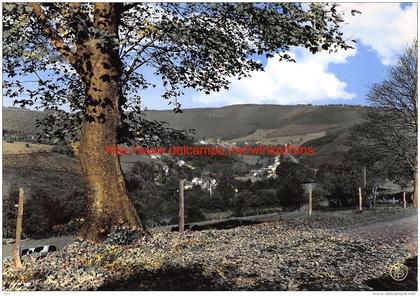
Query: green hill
(326, 128)
(237, 121)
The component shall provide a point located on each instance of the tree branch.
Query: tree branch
(52, 34)
(128, 6)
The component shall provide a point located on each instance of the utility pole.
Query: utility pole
(16, 247)
(181, 206)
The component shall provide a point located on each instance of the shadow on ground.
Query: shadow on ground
(386, 283)
(228, 224)
(193, 279)
(166, 279)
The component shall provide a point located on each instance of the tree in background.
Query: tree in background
(290, 179)
(225, 190)
(243, 202)
(339, 183)
(388, 137)
(94, 58)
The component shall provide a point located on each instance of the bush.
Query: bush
(266, 198)
(291, 195)
(242, 202)
(10, 212)
(9, 139)
(194, 214)
(320, 198)
(62, 149)
(43, 213)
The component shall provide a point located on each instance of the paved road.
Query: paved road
(58, 241)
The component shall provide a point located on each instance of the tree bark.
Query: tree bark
(108, 202)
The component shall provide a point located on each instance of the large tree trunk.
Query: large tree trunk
(108, 203)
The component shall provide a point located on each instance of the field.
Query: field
(267, 137)
(25, 147)
(36, 167)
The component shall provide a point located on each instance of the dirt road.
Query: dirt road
(404, 230)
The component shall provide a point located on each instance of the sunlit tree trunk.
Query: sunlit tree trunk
(108, 202)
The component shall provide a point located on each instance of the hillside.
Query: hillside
(20, 121)
(326, 128)
(56, 174)
(239, 121)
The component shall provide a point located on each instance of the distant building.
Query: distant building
(386, 187)
(208, 184)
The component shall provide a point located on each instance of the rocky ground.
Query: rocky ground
(280, 255)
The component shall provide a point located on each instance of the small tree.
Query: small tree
(339, 183)
(290, 179)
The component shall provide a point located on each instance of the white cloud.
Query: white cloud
(385, 27)
(308, 80)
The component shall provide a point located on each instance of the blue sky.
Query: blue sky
(382, 31)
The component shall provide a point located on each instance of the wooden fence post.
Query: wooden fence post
(360, 199)
(16, 247)
(310, 199)
(181, 206)
(404, 200)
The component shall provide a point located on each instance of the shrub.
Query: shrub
(194, 214)
(42, 213)
(242, 202)
(291, 195)
(62, 149)
(9, 139)
(10, 212)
